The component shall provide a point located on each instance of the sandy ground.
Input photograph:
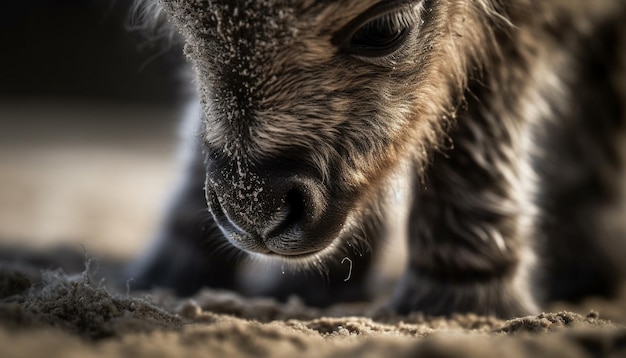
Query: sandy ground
(75, 174)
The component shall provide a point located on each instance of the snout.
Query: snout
(273, 213)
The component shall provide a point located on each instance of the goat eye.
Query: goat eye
(381, 30)
(378, 37)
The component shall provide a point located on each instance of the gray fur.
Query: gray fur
(503, 112)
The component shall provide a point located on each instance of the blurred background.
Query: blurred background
(88, 116)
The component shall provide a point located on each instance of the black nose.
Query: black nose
(276, 214)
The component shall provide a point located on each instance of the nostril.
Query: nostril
(290, 215)
(295, 204)
(295, 227)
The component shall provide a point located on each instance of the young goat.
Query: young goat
(505, 117)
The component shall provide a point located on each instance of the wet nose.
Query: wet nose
(266, 213)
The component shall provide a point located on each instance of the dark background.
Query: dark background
(83, 49)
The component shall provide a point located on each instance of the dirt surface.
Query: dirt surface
(56, 314)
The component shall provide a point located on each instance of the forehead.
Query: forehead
(251, 15)
(302, 5)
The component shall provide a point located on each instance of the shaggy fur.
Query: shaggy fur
(506, 117)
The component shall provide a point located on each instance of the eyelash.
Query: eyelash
(381, 30)
(399, 19)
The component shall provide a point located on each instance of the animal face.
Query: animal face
(310, 105)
